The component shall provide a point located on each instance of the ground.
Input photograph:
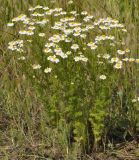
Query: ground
(123, 151)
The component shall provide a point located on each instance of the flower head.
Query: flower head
(102, 77)
(47, 70)
(74, 46)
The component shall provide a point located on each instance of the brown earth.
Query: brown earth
(123, 151)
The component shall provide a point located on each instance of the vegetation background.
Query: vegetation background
(28, 131)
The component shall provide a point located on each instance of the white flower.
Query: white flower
(46, 8)
(58, 24)
(43, 22)
(125, 59)
(36, 14)
(23, 32)
(118, 65)
(103, 37)
(98, 56)
(16, 45)
(68, 40)
(29, 32)
(103, 77)
(58, 50)
(74, 24)
(56, 14)
(112, 44)
(53, 59)
(106, 56)
(84, 59)
(83, 36)
(50, 45)
(29, 40)
(53, 1)
(74, 46)
(84, 13)
(77, 59)
(21, 17)
(59, 53)
(115, 59)
(77, 34)
(10, 24)
(89, 27)
(41, 34)
(104, 27)
(80, 53)
(137, 60)
(58, 9)
(120, 52)
(49, 12)
(56, 27)
(131, 59)
(31, 9)
(92, 45)
(68, 52)
(56, 38)
(22, 58)
(70, 2)
(31, 28)
(80, 58)
(63, 13)
(73, 12)
(38, 7)
(124, 30)
(100, 62)
(77, 29)
(48, 50)
(64, 56)
(47, 70)
(36, 66)
(28, 22)
(127, 50)
(134, 100)
(68, 31)
(88, 18)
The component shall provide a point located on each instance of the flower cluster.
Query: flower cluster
(135, 100)
(16, 45)
(102, 77)
(108, 23)
(71, 34)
